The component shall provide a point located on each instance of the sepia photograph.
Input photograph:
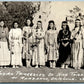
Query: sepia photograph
(41, 41)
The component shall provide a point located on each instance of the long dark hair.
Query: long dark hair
(14, 23)
(4, 23)
(41, 25)
(31, 24)
(67, 27)
(51, 21)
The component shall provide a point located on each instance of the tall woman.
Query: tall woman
(64, 45)
(51, 44)
(77, 48)
(27, 42)
(15, 42)
(38, 53)
(4, 51)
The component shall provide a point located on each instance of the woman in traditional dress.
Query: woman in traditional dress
(15, 43)
(64, 45)
(38, 53)
(77, 47)
(51, 44)
(4, 51)
(27, 42)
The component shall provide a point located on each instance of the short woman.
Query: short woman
(15, 42)
(51, 44)
(4, 51)
(77, 48)
(64, 45)
(27, 42)
(38, 53)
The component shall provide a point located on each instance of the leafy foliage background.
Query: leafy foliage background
(17, 11)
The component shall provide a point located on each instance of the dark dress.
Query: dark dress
(64, 52)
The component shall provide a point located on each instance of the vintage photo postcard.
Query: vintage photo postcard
(42, 41)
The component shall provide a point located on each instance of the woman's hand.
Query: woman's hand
(65, 44)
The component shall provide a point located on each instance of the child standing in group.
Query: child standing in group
(77, 45)
(38, 53)
(64, 45)
(27, 42)
(15, 43)
(51, 44)
(4, 51)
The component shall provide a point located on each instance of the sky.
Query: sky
(59, 10)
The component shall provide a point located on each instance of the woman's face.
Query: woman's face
(2, 23)
(64, 26)
(77, 23)
(28, 22)
(39, 24)
(15, 25)
(51, 25)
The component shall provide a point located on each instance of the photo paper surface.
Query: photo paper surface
(42, 41)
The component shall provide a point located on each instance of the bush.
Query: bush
(17, 11)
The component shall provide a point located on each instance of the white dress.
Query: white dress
(27, 42)
(4, 51)
(15, 41)
(38, 53)
(77, 49)
(51, 45)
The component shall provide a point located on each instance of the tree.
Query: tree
(18, 11)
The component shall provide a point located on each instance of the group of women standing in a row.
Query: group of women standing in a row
(37, 47)
(71, 45)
